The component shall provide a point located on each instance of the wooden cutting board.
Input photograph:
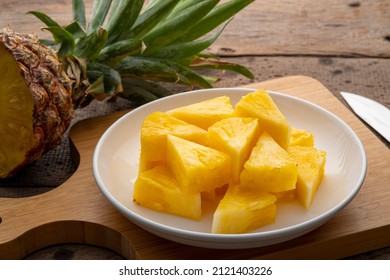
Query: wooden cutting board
(77, 212)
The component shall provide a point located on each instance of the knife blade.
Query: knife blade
(372, 112)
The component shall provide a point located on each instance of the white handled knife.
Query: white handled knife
(372, 112)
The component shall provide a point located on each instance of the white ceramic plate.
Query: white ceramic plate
(115, 166)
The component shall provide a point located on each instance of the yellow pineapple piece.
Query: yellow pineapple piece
(197, 168)
(154, 131)
(158, 190)
(235, 136)
(311, 167)
(242, 210)
(285, 196)
(260, 105)
(204, 113)
(269, 167)
(301, 137)
(214, 194)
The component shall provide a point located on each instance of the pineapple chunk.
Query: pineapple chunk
(197, 168)
(154, 132)
(242, 210)
(269, 167)
(311, 165)
(236, 137)
(157, 189)
(205, 113)
(301, 137)
(260, 105)
(285, 196)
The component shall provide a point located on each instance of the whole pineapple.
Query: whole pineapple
(126, 47)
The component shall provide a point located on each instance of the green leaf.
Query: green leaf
(112, 81)
(122, 18)
(62, 38)
(44, 18)
(92, 45)
(99, 12)
(115, 52)
(217, 16)
(79, 12)
(182, 5)
(171, 30)
(150, 18)
(138, 94)
(213, 64)
(187, 50)
(151, 87)
(96, 89)
(76, 30)
(159, 70)
(47, 42)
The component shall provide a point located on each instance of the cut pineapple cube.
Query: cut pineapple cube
(157, 189)
(269, 167)
(154, 132)
(260, 105)
(236, 137)
(311, 165)
(243, 210)
(205, 113)
(197, 168)
(301, 137)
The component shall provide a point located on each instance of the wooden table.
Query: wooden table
(343, 44)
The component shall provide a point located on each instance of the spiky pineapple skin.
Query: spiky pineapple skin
(50, 87)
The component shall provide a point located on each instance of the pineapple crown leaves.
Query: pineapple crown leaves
(129, 45)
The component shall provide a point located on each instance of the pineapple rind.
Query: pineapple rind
(48, 86)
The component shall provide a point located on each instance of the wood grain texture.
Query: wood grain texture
(344, 44)
(266, 28)
(323, 27)
(76, 211)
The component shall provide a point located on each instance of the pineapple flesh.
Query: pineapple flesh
(235, 165)
(242, 210)
(197, 168)
(311, 167)
(16, 118)
(236, 137)
(269, 168)
(154, 132)
(301, 137)
(205, 113)
(260, 105)
(158, 190)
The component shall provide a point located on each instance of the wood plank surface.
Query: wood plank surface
(343, 44)
(266, 28)
(77, 212)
